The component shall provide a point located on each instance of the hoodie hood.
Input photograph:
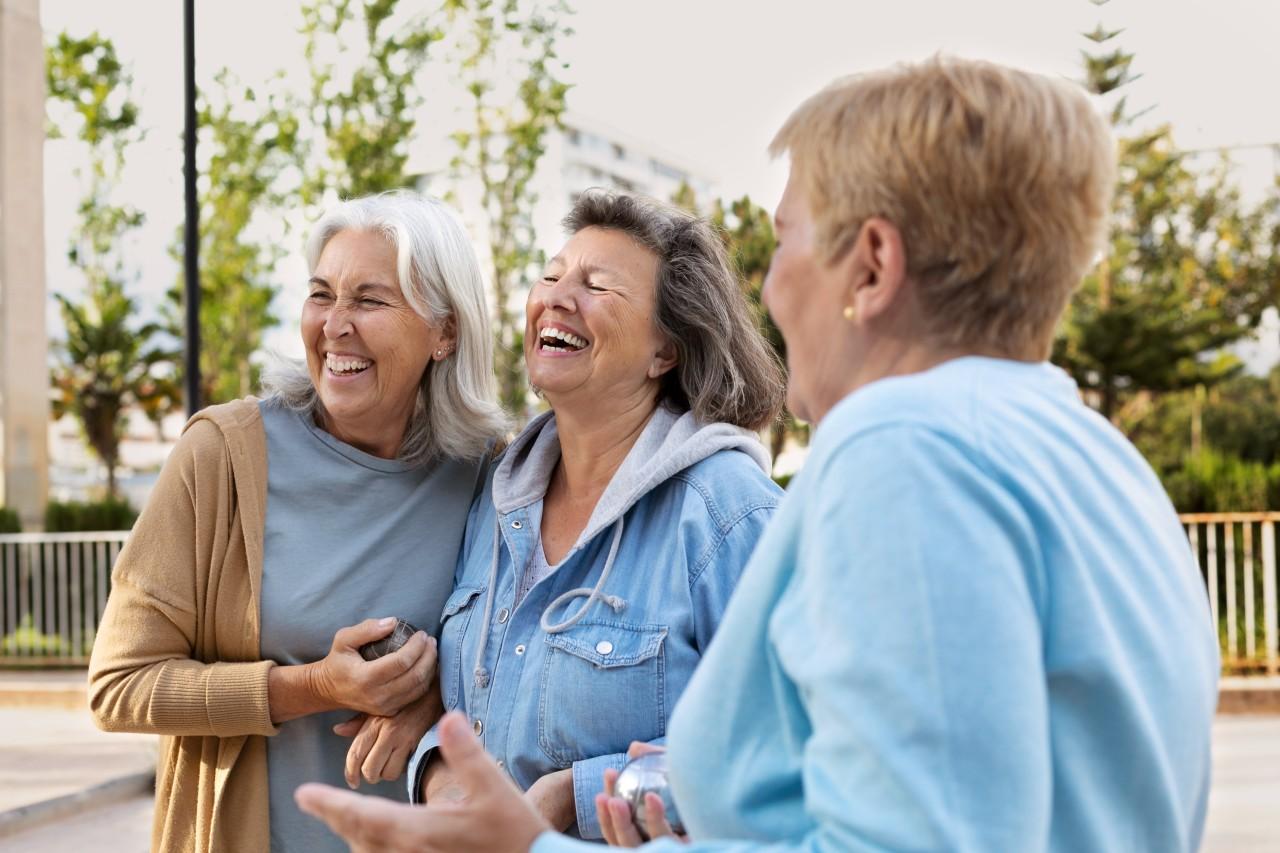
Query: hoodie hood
(669, 443)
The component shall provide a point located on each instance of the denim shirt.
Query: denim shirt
(579, 696)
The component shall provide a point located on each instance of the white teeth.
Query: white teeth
(561, 335)
(340, 365)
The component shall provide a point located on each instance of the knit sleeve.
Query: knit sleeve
(143, 674)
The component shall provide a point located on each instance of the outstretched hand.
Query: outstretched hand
(493, 816)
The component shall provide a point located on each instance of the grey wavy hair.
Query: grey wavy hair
(457, 414)
(725, 369)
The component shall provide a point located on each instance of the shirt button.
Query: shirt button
(503, 615)
(478, 728)
(604, 647)
(516, 525)
(520, 650)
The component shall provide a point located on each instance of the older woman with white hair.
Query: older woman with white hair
(975, 623)
(286, 533)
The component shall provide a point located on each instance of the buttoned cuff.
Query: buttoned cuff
(588, 780)
(418, 764)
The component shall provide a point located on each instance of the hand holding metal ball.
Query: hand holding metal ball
(393, 642)
(647, 774)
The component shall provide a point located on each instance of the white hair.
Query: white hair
(457, 414)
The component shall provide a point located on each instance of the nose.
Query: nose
(560, 293)
(337, 322)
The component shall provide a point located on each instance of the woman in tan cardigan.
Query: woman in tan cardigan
(284, 534)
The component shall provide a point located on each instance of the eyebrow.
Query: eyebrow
(360, 288)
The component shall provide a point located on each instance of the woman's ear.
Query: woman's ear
(877, 268)
(663, 360)
(448, 340)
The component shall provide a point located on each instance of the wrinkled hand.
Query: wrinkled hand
(614, 813)
(381, 687)
(382, 746)
(493, 817)
(552, 796)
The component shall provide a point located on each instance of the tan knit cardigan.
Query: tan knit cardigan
(177, 651)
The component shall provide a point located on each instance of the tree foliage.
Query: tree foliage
(108, 363)
(1188, 270)
(252, 143)
(509, 67)
(364, 60)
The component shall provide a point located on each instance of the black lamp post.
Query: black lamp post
(192, 232)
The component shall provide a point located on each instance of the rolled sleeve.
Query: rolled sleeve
(588, 780)
(418, 763)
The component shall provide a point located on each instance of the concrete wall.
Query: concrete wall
(24, 370)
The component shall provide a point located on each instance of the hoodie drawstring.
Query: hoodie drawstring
(616, 603)
(592, 595)
(482, 674)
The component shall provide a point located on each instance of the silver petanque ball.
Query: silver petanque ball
(393, 642)
(642, 775)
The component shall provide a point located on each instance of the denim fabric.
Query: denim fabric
(578, 698)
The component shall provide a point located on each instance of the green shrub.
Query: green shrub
(75, 517)
(9, 521)
(1210, 481)
(30, 641)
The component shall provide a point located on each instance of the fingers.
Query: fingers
(416, 671)
(378, 755)
(655, 817)
(639, 748)
(358, 752)
(355, 636)
(372, 823)
(351, 727)
(610, 780)
(625, 833)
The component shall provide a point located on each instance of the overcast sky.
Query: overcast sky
(711, 79)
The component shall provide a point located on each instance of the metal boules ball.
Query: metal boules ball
(647, 774)
(391, 643)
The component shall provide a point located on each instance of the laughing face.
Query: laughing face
(366, 347)
(590, 332)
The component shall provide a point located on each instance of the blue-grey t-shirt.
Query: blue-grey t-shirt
(349, 536)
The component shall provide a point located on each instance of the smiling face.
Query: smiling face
(589, 330)
(366, 347)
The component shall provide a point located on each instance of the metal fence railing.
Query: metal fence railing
(53, 588)
(1236, 553)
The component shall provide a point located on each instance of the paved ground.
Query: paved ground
(51, 752)
(1244, 803)
(46, 752)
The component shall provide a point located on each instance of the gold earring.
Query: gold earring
(850, 313)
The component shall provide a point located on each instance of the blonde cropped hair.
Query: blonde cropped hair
(1000, 182)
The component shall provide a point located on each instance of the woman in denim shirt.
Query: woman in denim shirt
(601, 555)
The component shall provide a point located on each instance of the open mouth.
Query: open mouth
(345, 365)
(558, 340)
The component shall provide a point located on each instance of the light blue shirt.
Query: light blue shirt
(974, 625)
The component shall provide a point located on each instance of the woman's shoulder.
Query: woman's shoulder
(214, 430)
(728, 484)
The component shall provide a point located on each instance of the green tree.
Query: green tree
(750, 239)
(107, 364)
(366, 120)
(1188, 270)
(251, 142)
(508, 42)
